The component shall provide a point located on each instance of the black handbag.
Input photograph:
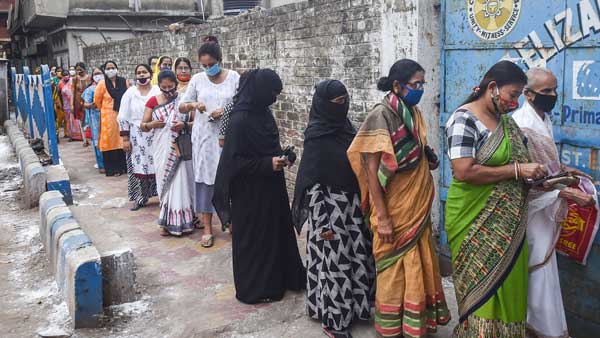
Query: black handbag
(184, 143)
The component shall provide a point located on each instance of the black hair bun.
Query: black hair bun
(210, 38)
(384, 84)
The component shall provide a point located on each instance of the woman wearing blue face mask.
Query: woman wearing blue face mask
(392, 163)
(205, 98)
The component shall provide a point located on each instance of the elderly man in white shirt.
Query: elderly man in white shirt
(547, 208)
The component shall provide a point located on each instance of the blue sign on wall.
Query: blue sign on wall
(564, 36)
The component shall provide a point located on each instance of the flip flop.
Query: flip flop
(207, 241)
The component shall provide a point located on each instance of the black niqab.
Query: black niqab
(252, 132)
(326, 139)
(253, 197)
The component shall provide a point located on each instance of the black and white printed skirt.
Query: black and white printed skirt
(340, 271)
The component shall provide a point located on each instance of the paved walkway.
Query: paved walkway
(185, 290)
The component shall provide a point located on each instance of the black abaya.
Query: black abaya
(253, 197)
(326, 139)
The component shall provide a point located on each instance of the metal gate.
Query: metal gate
(564, 36)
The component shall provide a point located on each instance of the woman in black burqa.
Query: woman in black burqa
(250, 193)
(341, 268)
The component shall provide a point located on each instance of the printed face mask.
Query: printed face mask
(98, 78)
(503, 106)
(213, 70)
(169, 94)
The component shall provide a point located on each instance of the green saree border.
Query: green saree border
(488, 251)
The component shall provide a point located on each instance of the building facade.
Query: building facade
(5, 6)
(56, 31)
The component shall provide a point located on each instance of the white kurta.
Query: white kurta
(546, 211)
(130, 117)
(205, 133)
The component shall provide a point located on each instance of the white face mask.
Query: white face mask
(72, 72)
(111, 73)
(98, 78)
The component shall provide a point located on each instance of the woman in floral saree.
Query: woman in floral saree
(388, 158)
(486, 206)
(174, 177)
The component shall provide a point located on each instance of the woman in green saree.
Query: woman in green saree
(486, 205)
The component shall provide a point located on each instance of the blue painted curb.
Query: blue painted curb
(75, 261)
(64, 187)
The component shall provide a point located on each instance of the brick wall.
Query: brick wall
(355, 41)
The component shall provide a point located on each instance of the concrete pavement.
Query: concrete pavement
(184, 290)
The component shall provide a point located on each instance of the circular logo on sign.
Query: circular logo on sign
(493, 19)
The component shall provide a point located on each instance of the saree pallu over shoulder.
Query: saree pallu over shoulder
(174, 177)
(409, 299)
(495, 238)
(399, 135)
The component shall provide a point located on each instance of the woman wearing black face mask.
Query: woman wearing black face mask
(390, 160)
(250, 193)
(136, 143)
(339, 246)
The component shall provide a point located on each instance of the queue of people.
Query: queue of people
(208, 144)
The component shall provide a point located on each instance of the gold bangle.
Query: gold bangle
(516, 171)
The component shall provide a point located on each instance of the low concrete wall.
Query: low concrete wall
(34, 175)
(75, 262)
(58, 179)
(118, 264)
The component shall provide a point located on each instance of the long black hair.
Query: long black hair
(167, 74)
(103, 67)
(180, 60)
(401, 71)
(210, 46)
(503, 73)
(148, 68)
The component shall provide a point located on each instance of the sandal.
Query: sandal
(331, 333)
(207, 241)
(197, 224)
(164, 232)
(137, 207)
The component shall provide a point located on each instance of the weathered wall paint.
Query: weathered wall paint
(563, 36)
(353, 41)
